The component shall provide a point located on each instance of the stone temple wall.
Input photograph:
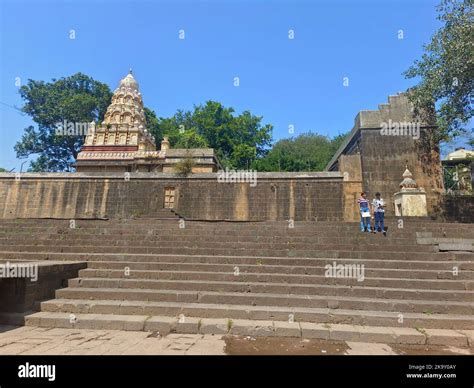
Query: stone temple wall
(276, 196)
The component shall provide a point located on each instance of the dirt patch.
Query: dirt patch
(237, 345)
(428, 350)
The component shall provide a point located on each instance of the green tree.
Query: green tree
(180, 130)
(190, 139)
(3, 169)
(444, 94)
(153, 124)
(307, 152)
(237, 139)
(76, 99)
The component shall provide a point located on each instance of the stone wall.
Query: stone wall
(275, 199)
(352, 190)
(381, 157)
(22, 294)
(351, 167)
(383, 163)
(276, 196)
(459, 208)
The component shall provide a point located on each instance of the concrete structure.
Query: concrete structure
(380, 144)
(122, 143)
(410, 201)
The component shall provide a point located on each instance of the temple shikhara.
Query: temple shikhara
(122, 142)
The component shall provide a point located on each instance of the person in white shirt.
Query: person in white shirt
(378, 205)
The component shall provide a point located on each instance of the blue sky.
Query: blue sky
(289, 82)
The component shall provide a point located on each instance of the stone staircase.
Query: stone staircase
(164, 214)
(262, 278)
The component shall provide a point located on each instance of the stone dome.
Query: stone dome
(129, 82)
(408, 182)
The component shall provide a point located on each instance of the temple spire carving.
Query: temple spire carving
(123, 143)
(124, 122)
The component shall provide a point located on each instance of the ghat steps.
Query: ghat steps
(262, 278)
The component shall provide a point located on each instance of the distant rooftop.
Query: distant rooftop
(460, 154)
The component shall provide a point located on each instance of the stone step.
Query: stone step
(190, 272)
(367, 239)
(170, 231)
(264, 277)
(364, 239)
(319, 315)
(392, 221)
(182, 250)
(446, 261)
(166, 225)
(370, 271)
(350, 288)
(187, 230)
(164, 325)
(377, 244)
(163, 214)
(367, 246)
(94, 245)
(269, 299)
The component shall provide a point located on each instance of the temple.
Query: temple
(122, 142)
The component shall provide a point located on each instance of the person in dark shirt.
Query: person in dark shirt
(363, 203)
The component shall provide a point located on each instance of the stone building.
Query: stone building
(459, 171)
(380, 145)
(122, 143)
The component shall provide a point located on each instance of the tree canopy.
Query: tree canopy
(239, 140)
(444, 93)
(306, 152)
(76, 99)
